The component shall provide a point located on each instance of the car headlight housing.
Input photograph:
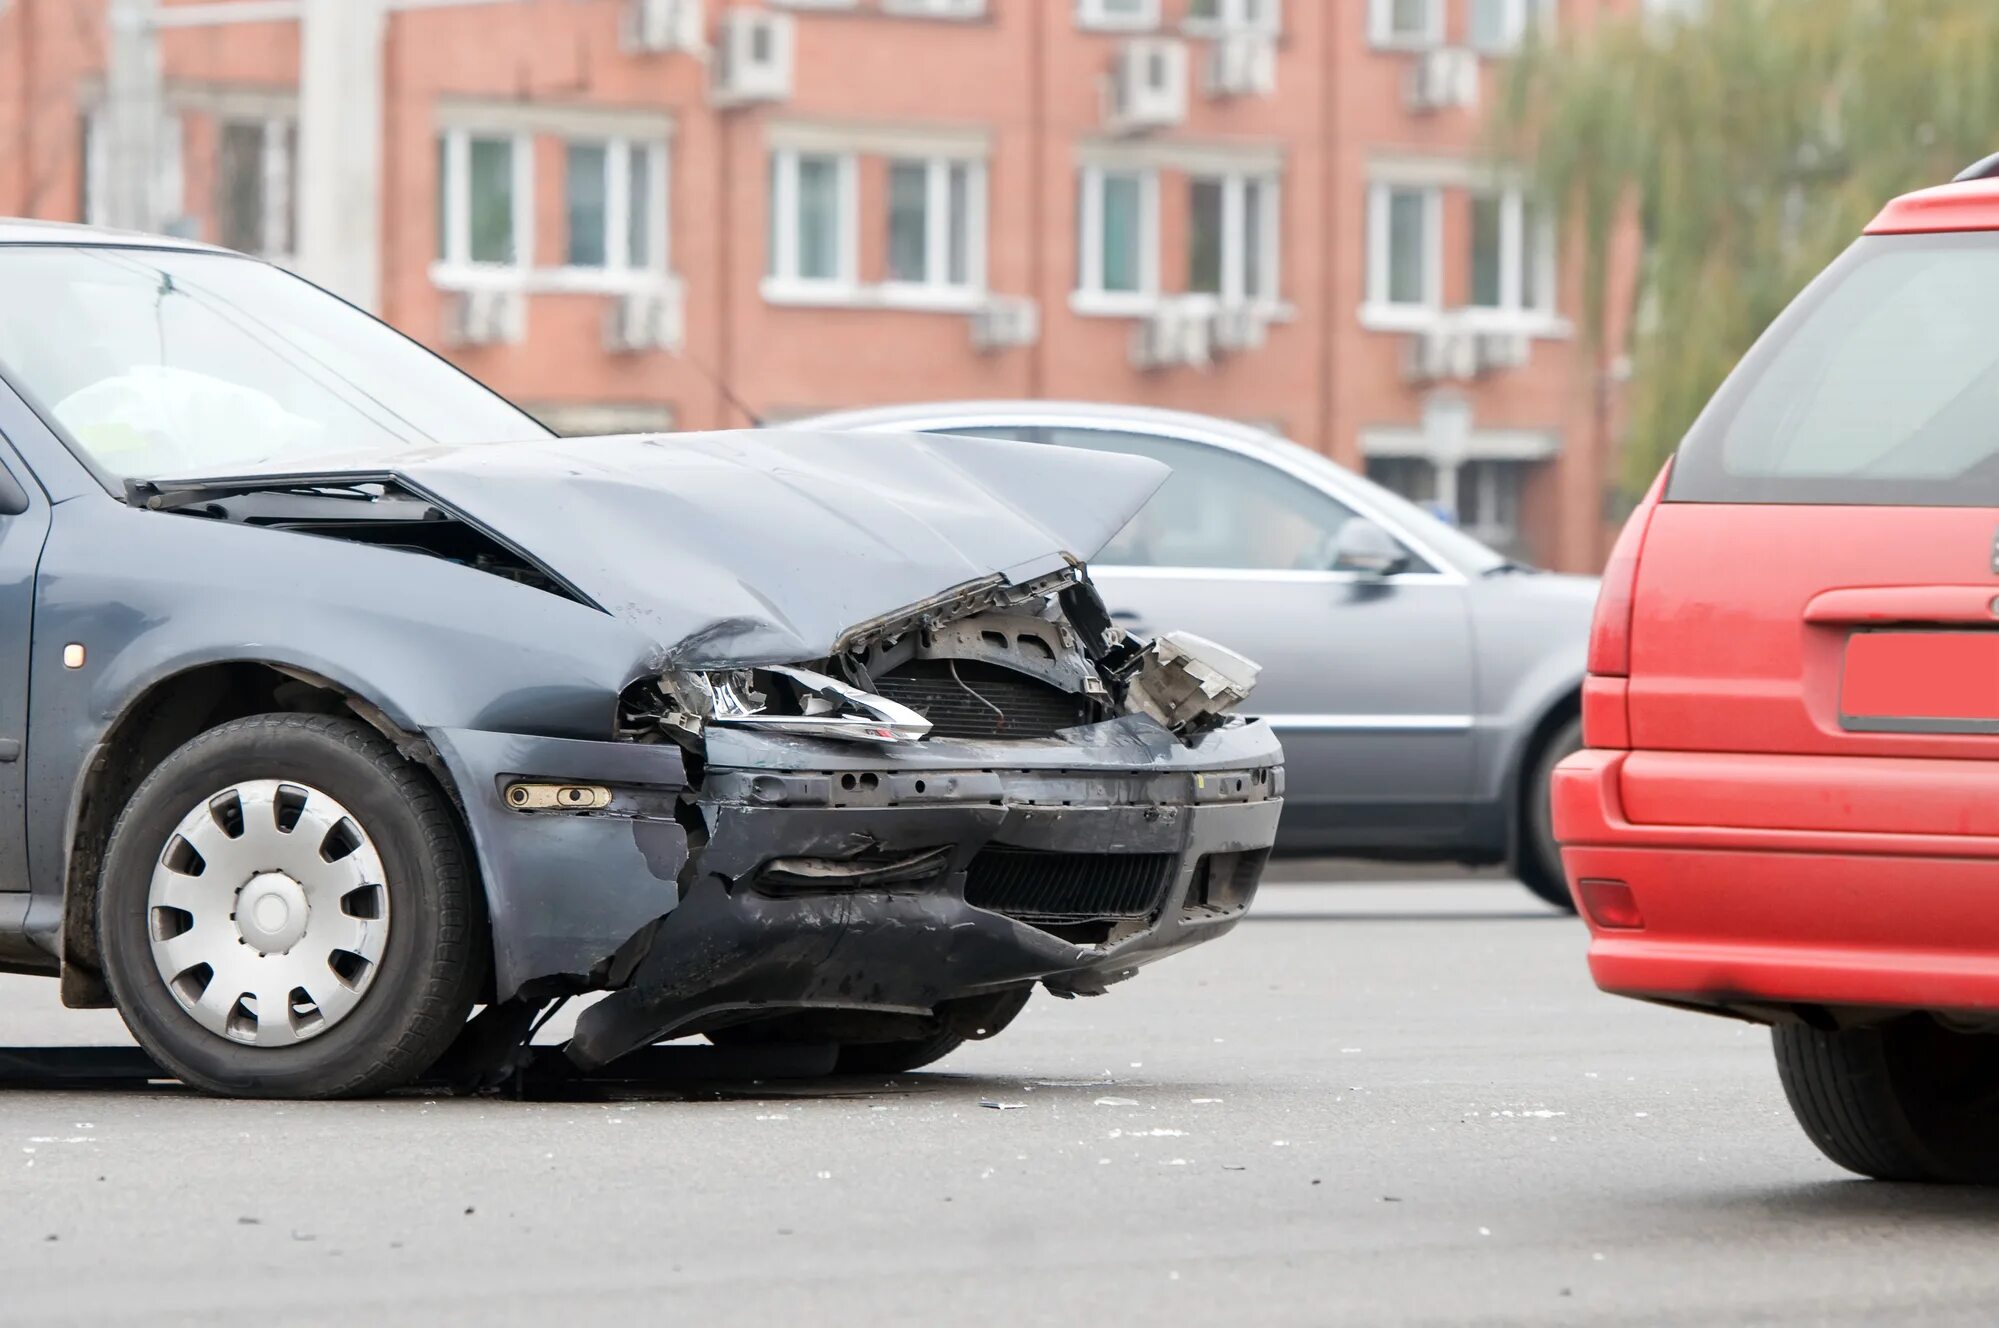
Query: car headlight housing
(785, 699)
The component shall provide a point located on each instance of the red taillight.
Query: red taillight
(1610, 631)
(1610, 905)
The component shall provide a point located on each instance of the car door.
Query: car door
(24, 524)
(1368, 679)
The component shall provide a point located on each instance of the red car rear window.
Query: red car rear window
(1879, 386)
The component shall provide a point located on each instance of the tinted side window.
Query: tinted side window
(1880, 385)
(1220, 509)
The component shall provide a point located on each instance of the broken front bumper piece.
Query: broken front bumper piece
(894, 881)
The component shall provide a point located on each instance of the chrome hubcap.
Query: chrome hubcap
(268, 913)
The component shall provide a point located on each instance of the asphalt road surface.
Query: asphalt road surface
(1373, 1104)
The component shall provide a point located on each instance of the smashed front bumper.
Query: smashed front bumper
(823, 875)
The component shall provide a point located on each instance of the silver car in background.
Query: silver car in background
(1425, 685)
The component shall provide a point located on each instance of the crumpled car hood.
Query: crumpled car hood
(765, 546)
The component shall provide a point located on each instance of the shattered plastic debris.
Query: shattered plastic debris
(1117, 1102)
(1001, 1106)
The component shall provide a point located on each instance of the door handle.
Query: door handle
(10, 750)
(1863, 606)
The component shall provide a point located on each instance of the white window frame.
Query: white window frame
(1519, 16)
(1381, 16)
(1235, 250)
(456, 270)
(1380, 311)
(782, 282)
(1093, 16)
(1517, 307)
(936, 285)
(945, 9)
(169, 179)
(618, 273)
(280, 195)
(1090, 295)
(1238, 16)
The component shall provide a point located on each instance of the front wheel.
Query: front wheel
(1909, 1100)
(286, 910)
(1540, 853)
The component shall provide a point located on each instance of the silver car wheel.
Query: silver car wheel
(268, 913)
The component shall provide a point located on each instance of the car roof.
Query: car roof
(1970, 206)
(1442, 545)
(26, 230)
(1042, 411)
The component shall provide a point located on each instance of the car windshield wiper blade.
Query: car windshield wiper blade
(1511, 567)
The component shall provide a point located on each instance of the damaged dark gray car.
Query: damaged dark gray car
(338, 699)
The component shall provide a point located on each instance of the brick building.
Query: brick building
(635, 214)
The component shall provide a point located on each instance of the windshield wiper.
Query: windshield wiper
(1511, 568)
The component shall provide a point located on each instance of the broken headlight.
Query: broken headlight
(784, 699)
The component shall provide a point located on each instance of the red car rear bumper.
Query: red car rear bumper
(1808, 894)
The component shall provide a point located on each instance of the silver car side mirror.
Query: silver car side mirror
(1366, 549)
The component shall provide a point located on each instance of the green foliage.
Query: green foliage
(1753, 144)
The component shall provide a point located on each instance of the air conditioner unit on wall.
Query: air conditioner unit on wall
(1440, 355)
(1240, 64)
(646, 320)
(654, 27)
(1495, 352)
(753, 58)
(1443, 78)
(1178, 333)
(485, 317)
(1238, 328)
(1004, 322)
(1148, 86)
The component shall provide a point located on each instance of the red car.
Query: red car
(1789, 809)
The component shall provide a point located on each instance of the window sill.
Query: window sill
(1406, 45)
(1117, 26)
(1101, 304)
(1431, 318)
(898, 297)
(549, 281)
(1214, 29)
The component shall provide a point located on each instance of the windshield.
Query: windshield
(157, 364)
(1879, 386)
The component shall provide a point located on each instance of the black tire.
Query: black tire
(1910, 1100)
(435, 954)
(1540, 855)
(895, 1057)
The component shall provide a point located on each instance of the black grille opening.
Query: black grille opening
(1224, 883)
(982, 700)
(1034, 886)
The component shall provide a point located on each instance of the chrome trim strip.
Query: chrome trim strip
(1372, 723)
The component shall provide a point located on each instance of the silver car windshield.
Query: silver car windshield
(156, 363)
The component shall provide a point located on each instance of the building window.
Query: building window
(255, 198)
(936, 223)
(1414, 478)
(1232, 238)
(1488, 502)
(1500, 26)
(486, 200)
(1118, 244)
(1402, 247)
(1512, 254)
(1235, 15)
(1118, 15)
(936, 8)
(812, 218)
(614, 195)
(1406, 23)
